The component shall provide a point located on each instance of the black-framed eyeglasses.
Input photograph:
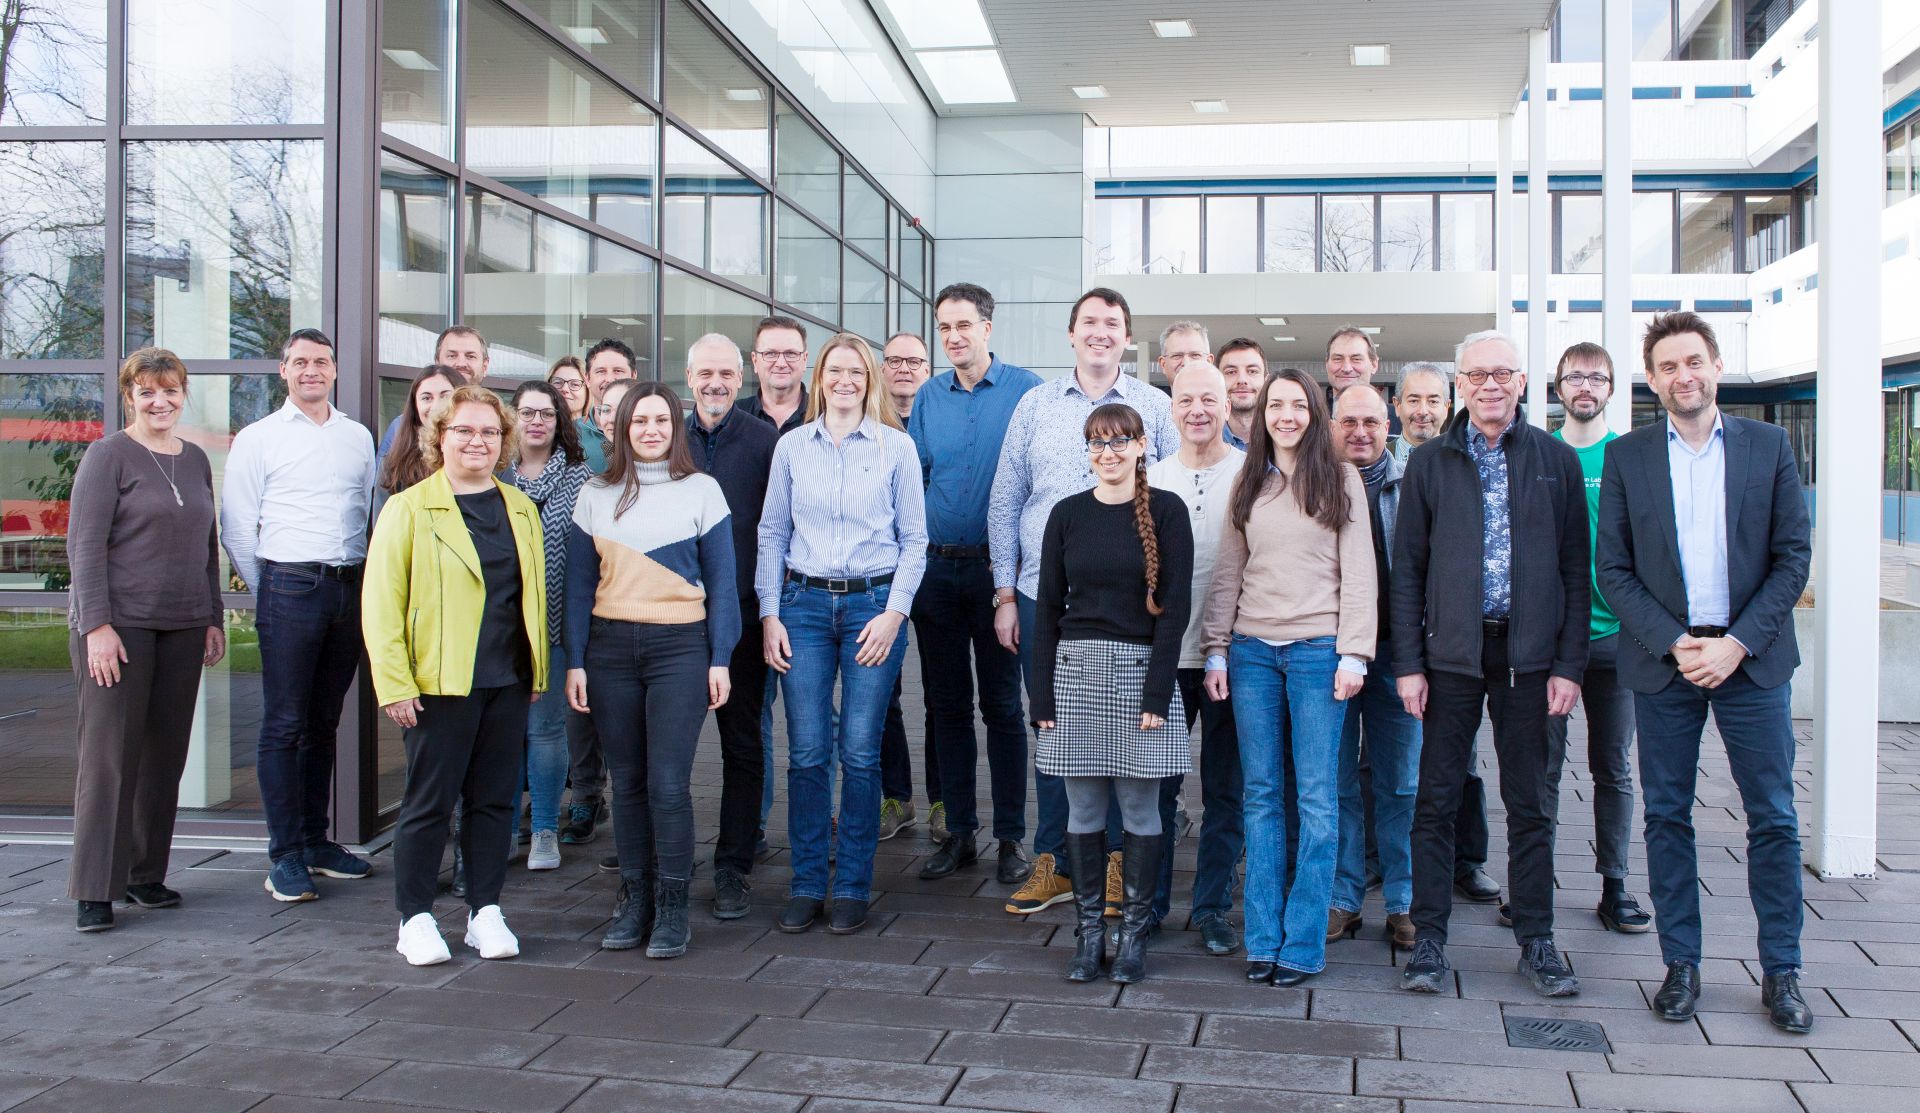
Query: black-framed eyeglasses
(1118, 444)
(1581, 378)
(911, 363)
(538, 415)
(1501, 375)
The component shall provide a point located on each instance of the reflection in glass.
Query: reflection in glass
(1653, 233)
(1714, 36)
(711, 88)
(913, 256)
(416, 263)
(1466, 231)
(554, 128)
(714, 216)
(1769, 228)
(1706, 233)
(1173, 235)
(912, 316)
(866, 216)
(808, 168)
(46, 423)
(1346, 240)
(1116, 235)
(1291, 245)
(1406, 232)
(218, 407)
(224, 251)
(1579, 233)
(1233, 237)
(618, 33)
(415, 73)
(865, 311)
(695, 307)
(52, 240)
(809, 266)
(539, 289)
(1899, 166)
(226, 61)
(54, 70)
(1652, 30)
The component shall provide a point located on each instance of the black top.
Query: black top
(738, 454)
(794, 420)
(502, 656)
(1093, 586)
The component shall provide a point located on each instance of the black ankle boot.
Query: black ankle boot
(1087, 865)
(670, 931)
(632, 913)
(1139, 876)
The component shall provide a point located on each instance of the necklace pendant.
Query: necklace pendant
(177, 500)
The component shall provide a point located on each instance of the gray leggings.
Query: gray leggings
(1087, 804)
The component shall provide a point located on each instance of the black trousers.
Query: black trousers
(1518, 706)
(742, 772)
(647, 684)
(471, 749)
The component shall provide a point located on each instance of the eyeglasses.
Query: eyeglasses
(568, 384)
(1501, 375)
(603, 410)
(1370, 424)
(469, 433)
(911, 363)
(781, 357)
(538, 415)
(1578, 378)
(1118, 444)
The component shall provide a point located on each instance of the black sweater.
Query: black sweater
(738, 454)
(1093, 585)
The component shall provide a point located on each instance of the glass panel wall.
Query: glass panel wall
(416, 259)
(1706, 233)
(714, 216)
(716, 92)
(226, 62)
(416, 74)
(1652, 233)
(1346, 233)
(1579, 231)
(1173, 235)
(1466, 232)
(808, 170)
(866, 215)
(1769, 228)
(864, 301)
(56, 65)
(1233, 235)
(623, 37)
(46, 423)
(912, 256)
(1406, 232)
(1117, 235)
(1292, 240)
(809, 266)
(52, 250)
(694, 307)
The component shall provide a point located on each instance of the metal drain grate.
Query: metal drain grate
(1545, 1034)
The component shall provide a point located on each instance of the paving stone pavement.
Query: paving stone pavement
(233, 1002)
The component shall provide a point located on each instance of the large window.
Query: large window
(1233, 235)
(1466, 232)
(226, 61)
(55, 71)
(1346, 233)
(714, 90)
(1291, 241)
(1661, 30)
(1706, 233)
(808, 170)
(416, 260)
(1118, 235)
(1406, 232)
(52, 242)
(416, 74)
(715, 217)
(1173, 235)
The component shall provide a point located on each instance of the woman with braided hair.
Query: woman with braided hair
(1116, 573)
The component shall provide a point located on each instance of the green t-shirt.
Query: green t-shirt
(1592, 459)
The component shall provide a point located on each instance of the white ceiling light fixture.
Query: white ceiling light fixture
(1090, 92)
(1376, 54)
(1283, 339)
(410, 60)
(1370, 330)
(1172, 28)
(967, 76)
(941, 24)
(1274, 322)
(586, 36)
(1210, 107)
(746, 95)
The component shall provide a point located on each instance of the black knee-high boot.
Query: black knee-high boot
(1087, 858)
(1139, 875)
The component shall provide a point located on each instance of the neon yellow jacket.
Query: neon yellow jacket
(423, 596)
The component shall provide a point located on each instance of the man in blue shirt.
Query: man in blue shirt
(1243, 363)
(958, 421)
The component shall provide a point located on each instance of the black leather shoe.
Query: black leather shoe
(152, 895)
(1260, 973)
(847, 917)
(799, 914)
(93, 915)
(1013, 867)
(730, 894)
(1476, 886)
(1788, 1010)
(1679, 996)
(957, 853)
(1218, 936)
(1540, 961)
(1283, 977)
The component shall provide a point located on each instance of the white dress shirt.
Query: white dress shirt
(296, 491)
(1700, 522)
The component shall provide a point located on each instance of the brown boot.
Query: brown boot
(1341, 922)
(1400, 929)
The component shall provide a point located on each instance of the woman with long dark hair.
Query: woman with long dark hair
(1116, 577)
(650, 541)
(1288, 631)
(405, 462)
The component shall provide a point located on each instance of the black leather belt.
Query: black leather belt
(345, 573)
(1493, 627)
(1707, 631)
(840, 587)
(960, 552)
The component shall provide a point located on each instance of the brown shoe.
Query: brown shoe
(1400, 929)
(1116, 890)
(1341, 922)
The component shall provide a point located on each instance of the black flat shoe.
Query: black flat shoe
(955, 854)
(152, 895)
(1284, 977)
(847, 917)
(799, 914)
(1679, 996)
(1785, 1006)
(93, 915)
(1217, 936)
(1012, 867)
(1260, 973)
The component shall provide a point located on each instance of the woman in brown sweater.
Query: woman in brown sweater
(1288, 631)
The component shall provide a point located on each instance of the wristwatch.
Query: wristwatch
(1003, 596)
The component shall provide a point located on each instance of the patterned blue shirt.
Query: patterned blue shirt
(958, 433)
(1044, 459)
(1496, 523)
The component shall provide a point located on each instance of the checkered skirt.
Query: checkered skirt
(1096, 732)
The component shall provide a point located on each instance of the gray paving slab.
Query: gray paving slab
(437, 1043)
(638, 1059)
(847, 1078)
(827, 1037)
(1383, 1078)
(485, 1089)
(1665, 1093)
(261, 1028)
(1089, 1023)
(1032, 1092)
(615, 1095)
(1240, 1099)
(1045, 1054)
(126, 1058)
(283, 1072)
(92, 1095)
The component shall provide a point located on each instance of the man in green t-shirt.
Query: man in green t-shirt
(1584, 381)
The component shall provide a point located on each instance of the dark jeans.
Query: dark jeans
(647, 684)
(953, 623)
(1518, 707)
(1609, 710)
(470, 749)
(1222, 832)
(1756, 725)
(896, 767)
(586, 766)
(742, 770)
(1470, 821)
(309, 629)
(1050, 824)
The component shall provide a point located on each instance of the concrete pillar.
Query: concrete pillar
(1539, 230)
(1503, 227)
(1846, 559)
(1616, 208)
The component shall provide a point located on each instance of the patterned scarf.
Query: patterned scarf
(554, 492)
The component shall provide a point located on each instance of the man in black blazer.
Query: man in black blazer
(1703, 551)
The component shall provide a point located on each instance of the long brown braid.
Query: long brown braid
(1116, 419)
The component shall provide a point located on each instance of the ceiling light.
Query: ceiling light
(629, 322)
(1370, 330)
(586, 36)
(410, 60)
(1090, 92)
(967, 76)
(1276, 322)
(1172, 28)
(941, 24)
(1283, 339)
(747, 94)
(1210, 106)
(1374, 55)
(554, 330)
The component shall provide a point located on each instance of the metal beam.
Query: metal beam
(1503, 227)
(1616, 207)
(1539, 229)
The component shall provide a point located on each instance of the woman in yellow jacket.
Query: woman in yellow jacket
(455, 615)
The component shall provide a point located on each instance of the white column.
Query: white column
(1539, 230)
(1503, 228)
(1846, 558)
(1616, 208)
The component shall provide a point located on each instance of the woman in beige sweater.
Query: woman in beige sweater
(1288, 630)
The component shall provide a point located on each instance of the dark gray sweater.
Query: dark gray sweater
(139, 558)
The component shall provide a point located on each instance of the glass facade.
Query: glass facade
(1663, 30)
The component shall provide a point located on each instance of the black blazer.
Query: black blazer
(1768, 551)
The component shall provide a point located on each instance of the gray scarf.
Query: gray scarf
(553, 492)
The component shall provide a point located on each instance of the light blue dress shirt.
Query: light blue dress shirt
(1700, 522)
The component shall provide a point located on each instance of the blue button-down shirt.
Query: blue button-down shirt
(958, 433)
(1496, 525)
(1044, 459)
(852, 509)
(1233, 439)
(1700, 522)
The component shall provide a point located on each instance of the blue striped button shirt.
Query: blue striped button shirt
(846, 510)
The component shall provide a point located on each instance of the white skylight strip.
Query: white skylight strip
(967, 76)
(941, 24)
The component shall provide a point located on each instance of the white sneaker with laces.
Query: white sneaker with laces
(420, 941)
(487, 933)
(545, 852)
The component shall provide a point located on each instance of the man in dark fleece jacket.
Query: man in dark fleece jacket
(1490, 601)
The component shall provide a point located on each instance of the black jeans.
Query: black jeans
(586, 766)
(471, 749)
(953, 624)
(896, 768)
(647, 685)
(1222, 832)
(309, 628)
(1518, 707)
(742, 772)
(1609, 709)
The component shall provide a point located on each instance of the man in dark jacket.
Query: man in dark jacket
(1490, 603)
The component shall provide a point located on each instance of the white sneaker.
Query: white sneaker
(545, 852)
(487, 933)
(420, 941)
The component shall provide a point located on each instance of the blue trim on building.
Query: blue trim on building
(1901, 374)
(1899, 110)
(1650, 92)
(1722, 92)
(1438, 183)
(1723, 305)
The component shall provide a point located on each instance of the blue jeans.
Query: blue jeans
(1757, 727)
(823, 628)
(1393, 749)
(1222, 834)
(1293, 683)
(547, 757)
(309, 628)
